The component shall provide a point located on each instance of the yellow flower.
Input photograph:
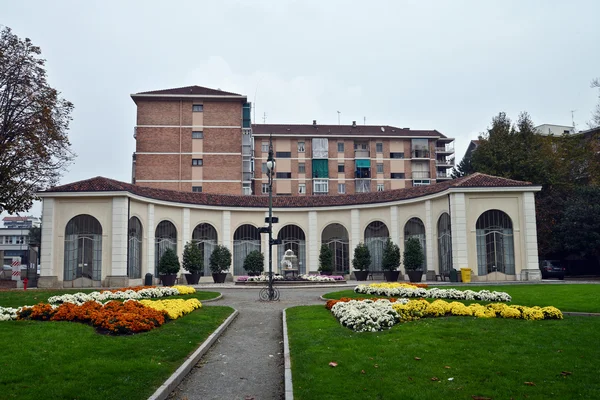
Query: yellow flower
(185, 289)
(175, 308)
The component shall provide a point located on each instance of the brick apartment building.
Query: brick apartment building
(200, 139)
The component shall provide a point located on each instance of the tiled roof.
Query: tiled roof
(101, 184)
(191, 90)
(340, 130)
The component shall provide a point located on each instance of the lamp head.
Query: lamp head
(270, 164)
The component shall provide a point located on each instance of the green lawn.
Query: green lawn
(67, 360)
(575, 297)
(491, 358)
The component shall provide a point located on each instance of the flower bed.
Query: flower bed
(375, 315)
(174, 308)
(122, 294)
(395, 290)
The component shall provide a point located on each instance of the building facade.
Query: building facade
(102, 232)
(196, 139)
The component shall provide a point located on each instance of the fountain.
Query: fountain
(289, 263)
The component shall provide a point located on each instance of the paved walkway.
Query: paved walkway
(247, 361)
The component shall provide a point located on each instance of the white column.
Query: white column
(394, 224)
(185, 234)
(354, 232)
(118, 263)
(47, 245)
(313, 242)
(226, 229)
(150, 244)
(458, 219)
(429, 237)
(530, 238)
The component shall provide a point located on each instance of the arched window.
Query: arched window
(165, 237)
(134, 243)
(83, 248)
(336, 237)
(376, 234)
(444, 244)
(415, 228)
(495, 244)
(292, 238)
(205, 236)
(245, 239)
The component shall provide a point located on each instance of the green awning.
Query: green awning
(363, 163)
(320, 168)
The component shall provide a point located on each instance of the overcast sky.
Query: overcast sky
(445, 65)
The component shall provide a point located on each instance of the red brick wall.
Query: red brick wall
(164, 112)
(221, 167)
(165, 140)
(222, 113)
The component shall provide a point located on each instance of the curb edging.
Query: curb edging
(287, 363)
(175, 379)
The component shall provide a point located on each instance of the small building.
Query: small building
(102, 232)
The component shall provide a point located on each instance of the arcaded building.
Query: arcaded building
(102, 232)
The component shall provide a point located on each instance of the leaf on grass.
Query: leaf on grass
(559, 351)
(417, 358)
(530, 383)
(333, 364)
(363, 371)
(480, 398)
(450, 379)
(376, 366)
(435, 379)
(565, 373)
(447, 367)
(410, 379)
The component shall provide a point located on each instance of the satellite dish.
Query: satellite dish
(382, 129)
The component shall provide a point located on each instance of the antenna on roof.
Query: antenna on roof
(364, 120)
(573, 119)
(339, 112)
(264, 118)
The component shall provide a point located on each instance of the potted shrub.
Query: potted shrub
(390, 261)
(361, 261)
(168, 267)
(325, 260)
(413, 259)
(254, 263)
(193, 263)
(220, 261)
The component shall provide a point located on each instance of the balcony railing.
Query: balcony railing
(445, 163)
(420, 175)
(420, 154)
(442, 175)
(447, 149)
(362, 153)
(362, 185)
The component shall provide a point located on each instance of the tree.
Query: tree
(35, 236)
(362, 257)
(391, 256)
(325, 259)
(193, 262)
(254, 262)
(220, 259)
(595, 122)
(413, 254)
(34, 120)
(464, 167)
(168, 263)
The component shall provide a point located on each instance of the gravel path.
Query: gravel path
(247, 361)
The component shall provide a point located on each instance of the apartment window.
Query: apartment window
(397, 175)
(341, 188)
(302, 188)
(197, 162)
(264, 168)
(421, 182)
(301, 168)
(396, 155)
(320, 186)
(283, 175)
(380, 187)
(197, 189)
(197, 108)
(197, 135)
(264, 147)
(340, 147)
(340, 167)
(300, 147)
(379, 147)
(265, 188)
(380, 168)
(283, 154)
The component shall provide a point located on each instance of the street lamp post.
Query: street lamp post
(270, 293)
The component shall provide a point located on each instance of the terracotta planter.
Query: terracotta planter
(219, 277)
(361, 275)
(193, 278)
(391, 276)
(168, 280)
(415, 276)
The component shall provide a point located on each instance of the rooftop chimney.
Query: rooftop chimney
(354, 124)
(314, 122)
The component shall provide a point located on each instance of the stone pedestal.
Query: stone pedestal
(48, 282)
(117, 281)
(531, 275)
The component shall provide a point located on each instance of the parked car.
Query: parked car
(552, 269)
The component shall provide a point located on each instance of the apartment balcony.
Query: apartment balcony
(362, 154)
(444, 163)
(445, 150)
(421, 175)
(362, 185)
(442, 175)
(423, 154)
